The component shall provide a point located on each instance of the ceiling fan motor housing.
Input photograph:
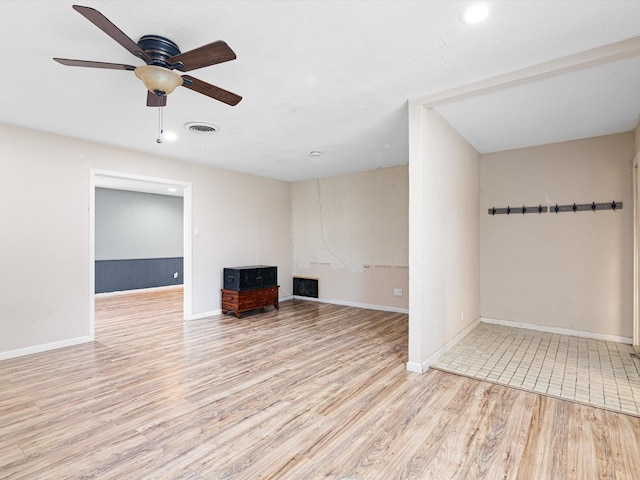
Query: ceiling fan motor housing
(160, 49)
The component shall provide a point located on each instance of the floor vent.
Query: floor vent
(305, 287)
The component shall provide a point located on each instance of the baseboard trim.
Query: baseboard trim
(200, 316)
(21, 352)
(560, 331)
(345, 303)
(415, 367)
(424, 366)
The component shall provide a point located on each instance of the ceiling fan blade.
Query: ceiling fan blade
(88, 63)
(104, 24)
(154, 100)
(210, 90)
(211, 54)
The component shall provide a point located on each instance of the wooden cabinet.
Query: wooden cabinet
(239, 301)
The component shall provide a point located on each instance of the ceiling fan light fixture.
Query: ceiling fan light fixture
(158, 79)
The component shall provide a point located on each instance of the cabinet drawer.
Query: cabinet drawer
(229, 296)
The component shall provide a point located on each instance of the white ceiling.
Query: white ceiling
(586, 103)
(331, 76)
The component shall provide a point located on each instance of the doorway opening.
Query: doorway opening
(138, 183)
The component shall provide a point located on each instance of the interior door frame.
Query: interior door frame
(186, 226)
(636, 253)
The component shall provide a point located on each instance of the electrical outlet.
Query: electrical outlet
(175, 275)
(397, 292)
(462, 315)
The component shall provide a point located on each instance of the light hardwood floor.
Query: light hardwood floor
(308, 392)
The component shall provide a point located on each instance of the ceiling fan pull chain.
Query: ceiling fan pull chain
(160, 124)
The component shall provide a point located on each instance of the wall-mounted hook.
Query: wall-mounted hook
(493, 211)
(539, 208)
(593, 206)
(556, 208)
(613, 205)
(508, 210)
(524, 209)
(574, 208)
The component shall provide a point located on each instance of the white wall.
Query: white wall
(351, 232)
(444, 235)
(44, 207)
(566, 270)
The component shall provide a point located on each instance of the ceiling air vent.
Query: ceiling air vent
(201, 127)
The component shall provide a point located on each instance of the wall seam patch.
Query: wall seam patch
(322, 231)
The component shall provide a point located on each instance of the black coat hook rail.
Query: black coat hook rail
(585, 207)
(582, 207)
(517, 210)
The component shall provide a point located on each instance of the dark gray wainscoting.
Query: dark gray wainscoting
(119, 275)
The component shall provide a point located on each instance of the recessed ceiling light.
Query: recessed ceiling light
(474, 13)
(314, 153)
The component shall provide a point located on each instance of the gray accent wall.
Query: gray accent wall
(132, 225)
(139, 240)
(120, 275)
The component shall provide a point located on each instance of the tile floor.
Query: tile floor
(595, 372)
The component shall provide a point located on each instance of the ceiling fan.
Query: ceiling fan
(161, 57)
